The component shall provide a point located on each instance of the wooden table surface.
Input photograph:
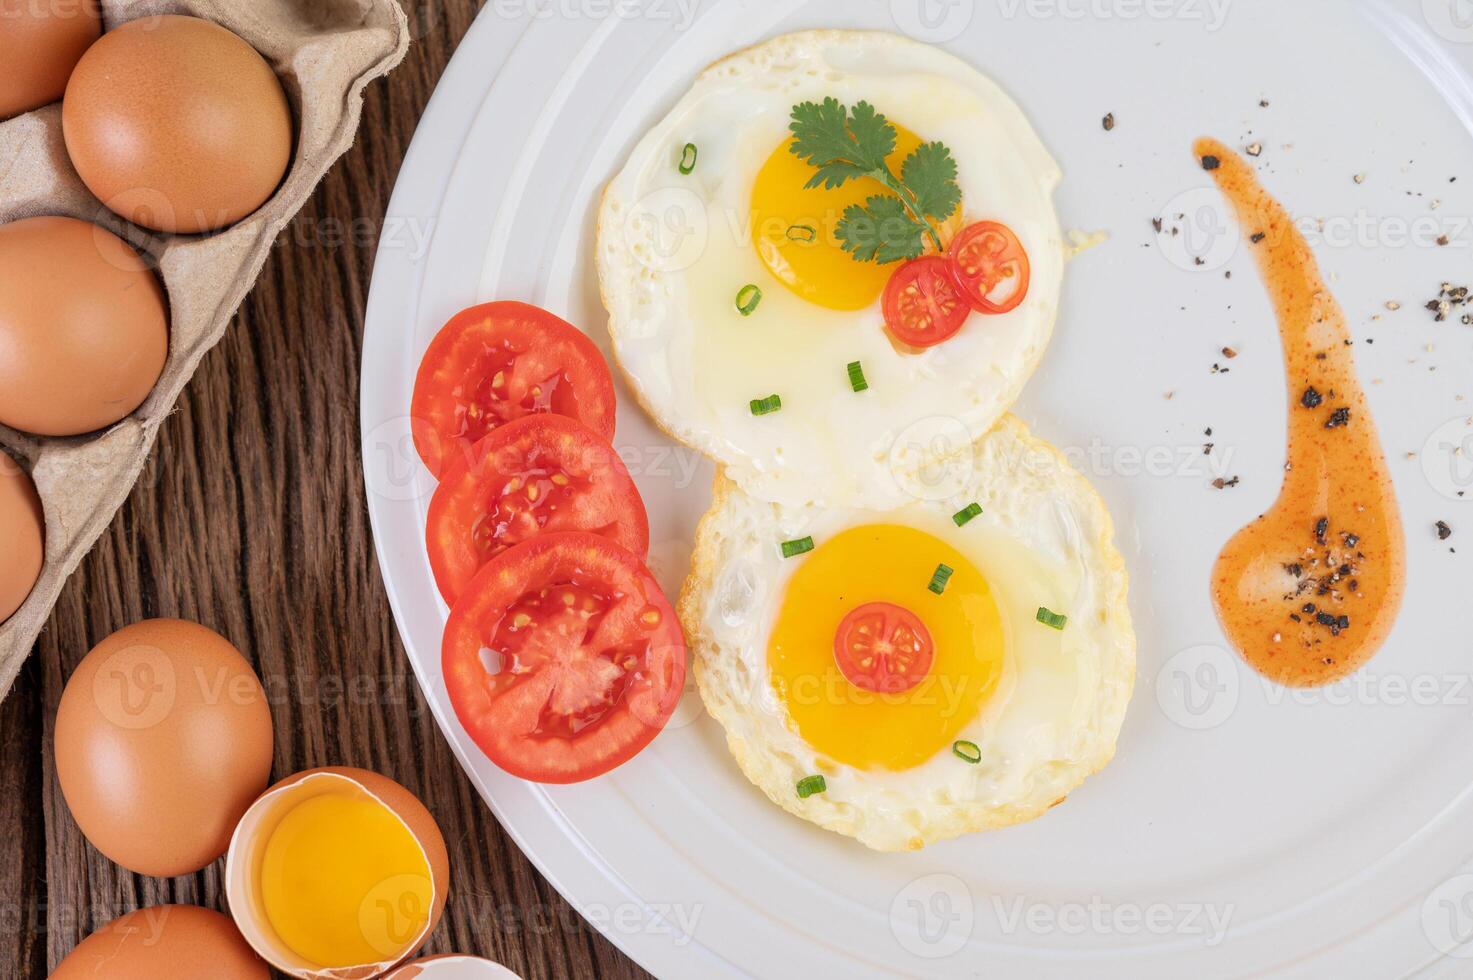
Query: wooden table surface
(251, 519)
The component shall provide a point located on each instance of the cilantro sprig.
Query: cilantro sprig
(843, 145)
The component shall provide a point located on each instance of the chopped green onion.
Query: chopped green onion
(802, 233)
(688, 158)
(766, 406)
(968, 512)
(747, 299)
(967, 751)
(1053, 619)
(809, 785)
(792, 549)
(939, 580)
(856, 377)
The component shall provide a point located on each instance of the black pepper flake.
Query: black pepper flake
(1156, 223)
(1257, 237)
(1222, 484)
(1210, 162)
(1308, 608)
(1444, 531)
(1321, 529)
(1339, 417)
(1311, 398)
(1351, 540)
(1449, 297)
(1108, 122)
(1296, 570)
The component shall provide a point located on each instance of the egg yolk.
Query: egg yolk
(892, 564)
(794, 228)
(344, 882)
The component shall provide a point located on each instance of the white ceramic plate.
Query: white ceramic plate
(1242, 830)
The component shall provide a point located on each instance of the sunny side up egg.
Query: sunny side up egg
(712, 201)
(988, 709)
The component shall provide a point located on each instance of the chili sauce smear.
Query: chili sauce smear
(1308, 592)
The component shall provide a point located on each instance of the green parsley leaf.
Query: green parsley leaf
(880, 231)
(873, 135)
(822, 137)
(930, 174)
(843, 145)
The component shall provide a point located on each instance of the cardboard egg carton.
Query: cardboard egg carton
(325, 52)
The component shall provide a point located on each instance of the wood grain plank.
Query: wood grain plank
(251, 518)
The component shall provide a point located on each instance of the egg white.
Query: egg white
(673, 250)
(1044, 538)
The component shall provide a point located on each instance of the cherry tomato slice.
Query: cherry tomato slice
(563, 659)
(884, 648)
(923, 303)
(538, 474)
(495, 363)
(988, 255)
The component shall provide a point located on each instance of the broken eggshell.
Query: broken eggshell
(247, 855)
(452, 966)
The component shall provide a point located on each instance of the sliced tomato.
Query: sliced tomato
(884, 648)
(538, 474)
(923, 304)
(495, 363)
(563, 658)
(987, 256)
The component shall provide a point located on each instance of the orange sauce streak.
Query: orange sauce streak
(1308, 592)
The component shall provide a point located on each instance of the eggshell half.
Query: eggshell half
(176, 941)
(248, 846)
(177, 124)
(23, 529)
(40, 44)
(163, 739)
(452, 966)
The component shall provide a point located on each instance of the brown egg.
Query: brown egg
(163, 739)
(84, 328)
(177, 124)
(176, 941)
(23, 529)
(40, 44)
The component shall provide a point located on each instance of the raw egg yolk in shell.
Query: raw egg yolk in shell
(328, 866)
(795, 228)
(867, 590)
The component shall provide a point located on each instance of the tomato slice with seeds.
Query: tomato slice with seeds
(539, 474)
(884, 648)
(493, 364)
(988, 255)
(923, 303)
(563, 659)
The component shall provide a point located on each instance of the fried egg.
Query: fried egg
(711, 216)
(1015, 582)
